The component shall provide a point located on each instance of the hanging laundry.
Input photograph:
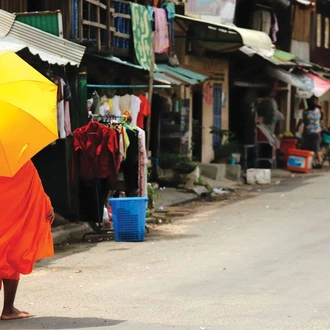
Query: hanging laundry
(135, 109)
(130, 166)
(97, 150)
(115, 106)
(59, 82)
(143, 164)
(125, 103)
(104, 107)
(275, 28)
(151, 13)
(96, 103)
(161, 31)
(170, 12)
(170, 7)
(144, 111)
(262, 21)
(67, 119)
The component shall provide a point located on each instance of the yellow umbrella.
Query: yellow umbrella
(28, 120)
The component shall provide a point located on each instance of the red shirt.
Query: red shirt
(144, 111)
(98, 152)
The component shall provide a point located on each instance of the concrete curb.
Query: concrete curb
(68, 232)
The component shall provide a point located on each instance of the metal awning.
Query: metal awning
(306, 2)
(119, 61)
(222, 37)
(15, 36)
(278, 57)
(305, 81)
(187, 76)
(165, 73)
(166, 79)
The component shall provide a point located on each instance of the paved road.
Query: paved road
(261, 263)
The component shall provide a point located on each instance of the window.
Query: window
(319, 30)
(326, 33)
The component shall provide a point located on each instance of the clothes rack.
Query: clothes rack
(127, 86)
(106, 118)
(99, 188)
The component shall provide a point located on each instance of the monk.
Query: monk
(26, 215)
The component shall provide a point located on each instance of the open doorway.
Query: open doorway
(217, 113)
(197, 125)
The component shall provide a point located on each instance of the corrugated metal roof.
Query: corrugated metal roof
(165, 79)
(165, 73)
(7, 21)
(50, 48)
(47, 21)
(277, 57)
(306, 2)
(189, 77)
(119, 61)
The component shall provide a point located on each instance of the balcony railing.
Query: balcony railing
(104, 26)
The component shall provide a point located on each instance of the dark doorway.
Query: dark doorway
(217, 112)
(197, 115)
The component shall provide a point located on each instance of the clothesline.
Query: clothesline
(126, 86)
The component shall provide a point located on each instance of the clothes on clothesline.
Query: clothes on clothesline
(137, 107)
(97, 151)
(161, 31)
(145, 111)
(63, 106)
(104, 151)
(266, 21)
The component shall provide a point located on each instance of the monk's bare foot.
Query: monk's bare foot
(14, 314)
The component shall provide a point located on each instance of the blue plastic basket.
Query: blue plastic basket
(129, 218)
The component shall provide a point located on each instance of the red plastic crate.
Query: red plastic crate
(287, 144)
(300, 160)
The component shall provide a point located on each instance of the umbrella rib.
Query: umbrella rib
(3, 152)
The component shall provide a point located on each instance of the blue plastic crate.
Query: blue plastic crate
(129, 218)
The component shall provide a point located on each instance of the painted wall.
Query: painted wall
(215, 11)
(218, 68)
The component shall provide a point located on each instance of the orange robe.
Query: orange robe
(25, 234)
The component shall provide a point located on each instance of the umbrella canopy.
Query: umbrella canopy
(28, 115)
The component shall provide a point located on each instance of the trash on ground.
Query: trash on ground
(258, 176)
(220, 191)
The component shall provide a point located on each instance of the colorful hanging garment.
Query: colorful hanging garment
(161, 31)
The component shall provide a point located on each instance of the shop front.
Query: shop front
(211, 47)
(58, 60)
(118, 103)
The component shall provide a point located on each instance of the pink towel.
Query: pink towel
(161, 31)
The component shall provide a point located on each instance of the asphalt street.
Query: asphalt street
(260, 263)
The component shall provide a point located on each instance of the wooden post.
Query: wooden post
(80, 21)
(108, 33)
(151, 84)
(98, 19)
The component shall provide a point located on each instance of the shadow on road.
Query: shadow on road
(54, 322)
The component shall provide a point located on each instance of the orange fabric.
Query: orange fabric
(25, 234)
